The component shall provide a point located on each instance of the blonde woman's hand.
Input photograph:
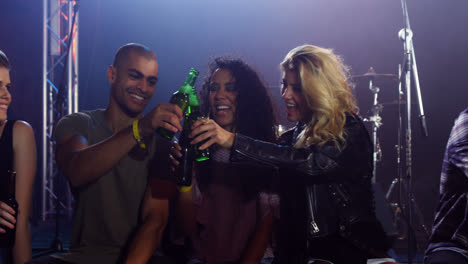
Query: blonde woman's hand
(209, 130)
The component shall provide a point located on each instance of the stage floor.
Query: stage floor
(43, 235)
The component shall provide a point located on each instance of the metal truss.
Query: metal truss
(60, 96)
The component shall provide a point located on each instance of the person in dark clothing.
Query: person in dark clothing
(324, 163)
(449, 240)
(17, 153)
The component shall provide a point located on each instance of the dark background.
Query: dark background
(187, 33)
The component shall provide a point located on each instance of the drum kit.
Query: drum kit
(376, 109)
(374, 118)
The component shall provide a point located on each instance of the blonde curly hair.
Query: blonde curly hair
(325, 87)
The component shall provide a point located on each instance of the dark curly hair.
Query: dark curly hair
(255, 115)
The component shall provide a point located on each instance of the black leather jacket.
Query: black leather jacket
(332, 186)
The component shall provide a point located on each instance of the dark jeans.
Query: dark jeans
(5, 256)
(445, 257)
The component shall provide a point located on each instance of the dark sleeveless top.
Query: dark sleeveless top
(6, 164)
(6, 148)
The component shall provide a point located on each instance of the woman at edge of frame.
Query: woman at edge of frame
(18, 153)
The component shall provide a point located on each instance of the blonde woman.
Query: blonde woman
(325, 164)
(17, 153)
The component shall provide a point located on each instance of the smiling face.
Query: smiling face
(291, 91)
(5, 96)
(133, 83)
(223, 98)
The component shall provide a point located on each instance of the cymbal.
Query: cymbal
(376, 75)
(371, 74)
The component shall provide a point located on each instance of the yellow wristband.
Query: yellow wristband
(136, 135)
(183, 189)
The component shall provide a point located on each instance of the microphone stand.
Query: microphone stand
(410, 67)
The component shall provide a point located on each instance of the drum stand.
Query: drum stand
(376, 121)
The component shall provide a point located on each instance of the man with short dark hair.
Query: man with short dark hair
(449, 240)
(105, 154)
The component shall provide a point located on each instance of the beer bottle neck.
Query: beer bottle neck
(189, 82)
(11, 183)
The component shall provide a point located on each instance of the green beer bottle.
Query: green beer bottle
(7, 195)
(181, 98)
(190, 153)
(183, 173)
(193, 115)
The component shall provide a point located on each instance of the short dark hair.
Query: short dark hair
(4, 60)
(124, 51)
